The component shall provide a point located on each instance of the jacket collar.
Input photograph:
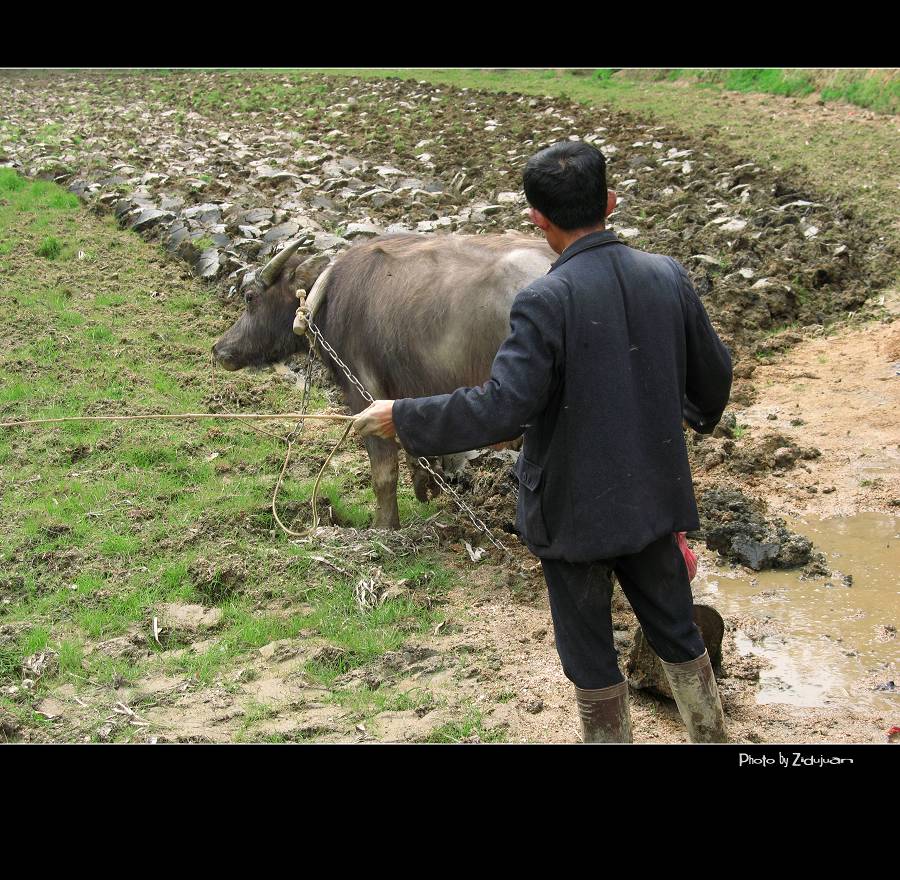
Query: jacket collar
(591, 240)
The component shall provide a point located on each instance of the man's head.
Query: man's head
(566, 188)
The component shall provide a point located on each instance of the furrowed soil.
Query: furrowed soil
(147, 594)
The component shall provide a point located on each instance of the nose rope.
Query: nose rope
(289, 416)
(315, 491)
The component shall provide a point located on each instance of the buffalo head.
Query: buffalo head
(264, 332)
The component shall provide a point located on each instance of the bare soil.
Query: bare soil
(842, 394)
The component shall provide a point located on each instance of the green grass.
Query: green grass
(51, 247)
(255, 712)
(112, 672)
(365, 703)
(35, 640)
(869, 93)
(24, 715)
(866, 89)
(39, 195)
(767, 80)
(360, 636)
(49, 132)
(10, 662)
(874, 90)
(71, 656)
(471, 724)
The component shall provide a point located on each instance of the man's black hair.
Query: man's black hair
(567, 184)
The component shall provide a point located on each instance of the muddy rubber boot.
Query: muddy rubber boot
(694, 689)
(605, 714)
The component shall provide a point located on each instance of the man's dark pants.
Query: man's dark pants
(656, 583)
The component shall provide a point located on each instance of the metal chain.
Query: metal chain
(317, 335)
(307, 381)
(423, 462)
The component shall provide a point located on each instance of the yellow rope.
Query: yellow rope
(315, 492)
(151, 417)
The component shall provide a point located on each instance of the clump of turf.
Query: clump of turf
(51, 247)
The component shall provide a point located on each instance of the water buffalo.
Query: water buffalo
(411, 315)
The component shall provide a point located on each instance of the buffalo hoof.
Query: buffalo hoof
(425, 486)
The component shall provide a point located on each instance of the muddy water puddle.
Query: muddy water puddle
(829, 642)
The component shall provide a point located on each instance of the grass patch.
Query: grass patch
(10, 182)
(35, 196)
(357, 515)
(102, 522)
(365, 702)
(872, 89)
(255, 712)
(113, 672)
(36, 640)
(471, 724)
(770, 80)
(873, 94)
(10, 662)
(71, 656)
(50, 248)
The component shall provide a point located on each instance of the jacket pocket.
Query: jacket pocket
(529, 513)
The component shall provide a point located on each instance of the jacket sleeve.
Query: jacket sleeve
(709, 374)
(523, 376)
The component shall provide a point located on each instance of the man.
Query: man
(607, 354)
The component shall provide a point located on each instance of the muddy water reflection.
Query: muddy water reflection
(829, 644)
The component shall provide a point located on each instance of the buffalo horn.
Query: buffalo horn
(269, 273)
(314, 298)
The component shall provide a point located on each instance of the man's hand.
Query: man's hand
(377, 420)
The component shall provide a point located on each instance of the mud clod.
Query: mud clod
(737, 528)
(218, 580)
(133, 646)
(40, 664)
(189, 620)
(10, 729)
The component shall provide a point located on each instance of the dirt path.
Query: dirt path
(845, 391)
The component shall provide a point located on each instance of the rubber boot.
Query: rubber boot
(693, 685)
(605, 714)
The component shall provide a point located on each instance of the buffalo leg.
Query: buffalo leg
(425, 486)
(385, 471)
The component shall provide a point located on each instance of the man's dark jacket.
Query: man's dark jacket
(607, 353)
